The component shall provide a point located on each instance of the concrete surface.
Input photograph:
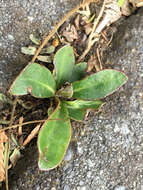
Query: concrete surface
(108, 153)
(19, 19)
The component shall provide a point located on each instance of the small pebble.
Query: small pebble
(53, 188)
(69, 155)
(66, 187)
(120, 188)
(89, 174)
(90, 163)
(81, 183)
(10, 37)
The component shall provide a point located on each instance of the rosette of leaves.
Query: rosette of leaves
(74, 94)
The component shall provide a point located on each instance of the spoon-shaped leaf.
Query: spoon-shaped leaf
(34, 79)
(64, 63)
(77, 108)
(98, 85)
(54, 138)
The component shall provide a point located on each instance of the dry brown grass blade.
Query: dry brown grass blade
(66, 17)
(33, 133)
(3, 139)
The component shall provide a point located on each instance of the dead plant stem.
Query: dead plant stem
(8, 144)
(91, 39)
(99, 59)
(26, 123)
(66, 17)
(29, 122)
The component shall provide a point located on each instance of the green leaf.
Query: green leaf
(77, 108)
(44, 58)
(36, 80)
(98, 85)
(34, 39)
(66, 91)
(48, 50)
(77, 114)
(79, 71)
(121, 2)
(64, 63)
(28, 50)
(54, 138)
(83, 104)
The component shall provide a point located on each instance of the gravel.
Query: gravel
(108, 153)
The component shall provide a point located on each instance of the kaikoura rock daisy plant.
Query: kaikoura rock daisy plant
(74, 94)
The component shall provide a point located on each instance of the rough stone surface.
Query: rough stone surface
(19, 19)
(108, 155)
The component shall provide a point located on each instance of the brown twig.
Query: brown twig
(92, 37)
(99, 59)
(27, 123)
(66, 17)
(33, 133)
(110, 38)
(20, 126)
(104, 36)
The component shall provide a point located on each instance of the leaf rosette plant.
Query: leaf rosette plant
(74, 94)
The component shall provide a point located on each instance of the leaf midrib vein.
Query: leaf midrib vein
(46, 86)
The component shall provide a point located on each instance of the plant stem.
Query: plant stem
(26, 123)
(8, 144)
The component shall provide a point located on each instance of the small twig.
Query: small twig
(30, 122)
(97, 67)
(110, 39)
(66, 17)
(104, 36)
(26, 123)
(91, 39)
(99, 59)
(8, 143)
(33, 133)
(20, 126)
